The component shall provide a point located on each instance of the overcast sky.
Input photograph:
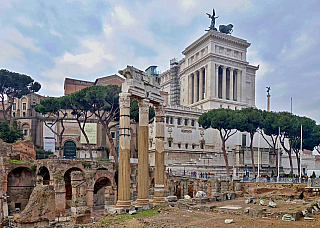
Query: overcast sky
(87, 39)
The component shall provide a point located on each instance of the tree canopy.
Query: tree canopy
(15, 85)
(10, 133)
(54, 111)
(226, 122)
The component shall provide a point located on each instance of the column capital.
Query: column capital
(144, 105)
(231, 69)
(223, 67)
(217, 66)
(159, 110)
(124, 100)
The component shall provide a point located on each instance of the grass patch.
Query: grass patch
(103, 159)
(16, 161)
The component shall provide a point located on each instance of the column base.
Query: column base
(158, 199)
(123, 204)
(142, 202)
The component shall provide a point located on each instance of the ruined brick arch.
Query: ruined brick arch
(20, 183)
(101, 173)
(43, 175)
(67, 183)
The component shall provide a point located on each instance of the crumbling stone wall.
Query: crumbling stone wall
(40, 208)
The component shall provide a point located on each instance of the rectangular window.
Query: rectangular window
(14, 114)
(179, 145)
(186, 122)
(179, 121)
(171, 120)
(25, 132)
(167, 119)
(14, 106)
(113, 135)
(24, 114)
(192, 122)
(244, 140)
(24, 106)
(186, 145)
(169, 143)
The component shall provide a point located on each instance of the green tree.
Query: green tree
(82, 111)
(14, 85)
(309, 138)
(270, 127)
(103, 102)
(314, 140)
(134, 111)
(252, 119)
(54, 111)
(10, 133)
(226, 122)
(289, 129)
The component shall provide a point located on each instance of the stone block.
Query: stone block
(255, 212)
(182, 205)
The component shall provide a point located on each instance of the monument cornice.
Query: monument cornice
(218, 36)
(217, 59)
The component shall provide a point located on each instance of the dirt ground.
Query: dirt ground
(192, 217)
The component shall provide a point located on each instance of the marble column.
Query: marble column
(201, 85)
(224, 82)
(124, 152)
(190, 89)
(217, 81)
(239, 85)
(231, 84)
(195, 87)
(159, 155)
(143, 146)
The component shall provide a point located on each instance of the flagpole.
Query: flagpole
(300, 150)
(259, 157)
(278, 155)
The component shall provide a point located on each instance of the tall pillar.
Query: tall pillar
(201, 85)
(224, 82)
(124, 152)
(231, 84)
(239, 85)
(159, 156)
(143, 146)
(195, 87)
(190, 89)
(217, 81)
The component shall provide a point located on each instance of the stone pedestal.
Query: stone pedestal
(90, 198)
(143, 156)
(159, 156)
(124, 152)
(60, 201)
(5, 209)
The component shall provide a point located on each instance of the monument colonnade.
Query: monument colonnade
(143, 147)
(227, 83)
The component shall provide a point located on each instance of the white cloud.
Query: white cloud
(54, 33)
(123, 15)
(13, 36)
(9, 51)
(24, 21)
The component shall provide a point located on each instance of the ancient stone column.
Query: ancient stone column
(143, 153)
(190, 89)
(239, 76)
(231, 85)
(201, 85)
(195, 87)
(224, 82)
(217, 81)
(159, 155)
(124, 152)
